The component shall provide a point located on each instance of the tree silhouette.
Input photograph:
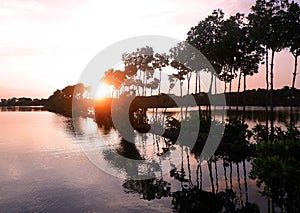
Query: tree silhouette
(160, 61)
(142, 59)
(266, 21)
(172, 81)
(292, 30)
(115, 78)
(206, 38)
(180, 61)
(182, 71)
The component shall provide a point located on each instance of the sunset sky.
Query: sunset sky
(46, 44)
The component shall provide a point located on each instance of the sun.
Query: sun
(103, 91)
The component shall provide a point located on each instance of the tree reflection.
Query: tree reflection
(193, 195)
(194, 199)
(149, 189)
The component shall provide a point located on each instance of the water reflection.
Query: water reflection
(43, 169)
(190, 196)
(220, 184)
(21, 108)
(149, 189)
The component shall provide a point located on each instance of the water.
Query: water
(43, 169)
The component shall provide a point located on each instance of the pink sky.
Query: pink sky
(45, 44)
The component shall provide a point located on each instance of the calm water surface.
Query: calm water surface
(43, 169)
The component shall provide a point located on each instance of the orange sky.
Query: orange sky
(45, 44)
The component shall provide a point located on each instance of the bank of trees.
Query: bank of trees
(21, 102)
(61, 101)
(234, 47)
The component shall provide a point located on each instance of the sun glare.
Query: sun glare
(103, 91)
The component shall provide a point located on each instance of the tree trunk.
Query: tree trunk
(267, 91)
(217, 180)
(181, 83)
(209, 162)
(188, 80)
(199, 82)
(197, 175)
(144, 85)
(230, 87)
(245, 180)
(211, 83)
(215, 84)
(208, 108)
(196, 86)
(140, 77)
(244, 97)
(230, 174)
(189, 165)
(223, 107)
(271, 96)
(146, 81)
(159, 82)
(225, 175)
(239, 181)
(215, 107)
(292, 98)
(238, 93)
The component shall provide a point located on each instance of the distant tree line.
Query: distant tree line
(22, 102)
(255, 97)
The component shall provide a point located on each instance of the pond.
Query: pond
(46, 167)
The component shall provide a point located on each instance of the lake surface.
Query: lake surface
(46, 167)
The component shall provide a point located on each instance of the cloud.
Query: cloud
(192, 11)
(21, 5)
(53, 40)
(43, 11)
(18, 52)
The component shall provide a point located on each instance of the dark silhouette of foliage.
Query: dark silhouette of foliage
(277, 166)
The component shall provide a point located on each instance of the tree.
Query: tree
(172, 81)
(180, 62)
(115, 78)
(292, 36)
(206, 38)
(182, 71)
(160, 61)
(251, 55)
(266, 23)
(153, 85)
(276, 166)
(142, 59)
(231, 36)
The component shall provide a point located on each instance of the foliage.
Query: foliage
(21, 102)
(277, 167)
(61, 100)
(172, 124)
(235, 144)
